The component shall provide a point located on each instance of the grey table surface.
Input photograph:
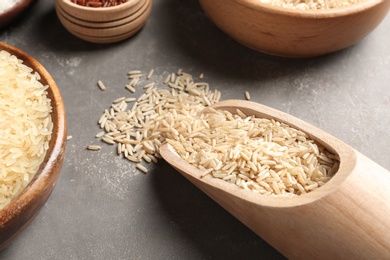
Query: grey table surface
(103, 208)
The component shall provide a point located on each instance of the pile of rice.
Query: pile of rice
(312, 4)
(262, 155)
(258, 154)
(25, 126)
(139, 131)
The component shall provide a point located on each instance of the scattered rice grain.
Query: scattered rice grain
(131, 88)
(247, 95)
(94, 147)
(150, 74)
(101, 85)
(142, 168)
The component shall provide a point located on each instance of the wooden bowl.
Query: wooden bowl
(295, 33)
(22, 210)
(11, 14)
(105, 24)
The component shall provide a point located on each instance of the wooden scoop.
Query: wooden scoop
(347, 218)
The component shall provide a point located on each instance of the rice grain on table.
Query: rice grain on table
(101, 85)
(25, 126)
(134, 72)
(247, 95)
(130, 87)
(94, 147)
(142, 168)
(150, 74)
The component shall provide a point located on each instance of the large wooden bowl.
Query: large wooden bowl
(295, 33)
(104, 24)
(22, 210)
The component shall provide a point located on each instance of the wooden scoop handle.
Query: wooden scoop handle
(348, 218)
(352, 222)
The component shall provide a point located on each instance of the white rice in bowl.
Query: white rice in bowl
(25, 126)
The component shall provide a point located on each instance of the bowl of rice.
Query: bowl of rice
(10, 10)
(32, 139)
(297, 29)
(103, 21)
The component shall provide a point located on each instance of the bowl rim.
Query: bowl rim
(115, 8)
(54, 156)
(123, 22)
(132, 21)
(334, 12)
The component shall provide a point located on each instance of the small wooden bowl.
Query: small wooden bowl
(104, 24)
(9, 15)
(295, 33)
(21, 211)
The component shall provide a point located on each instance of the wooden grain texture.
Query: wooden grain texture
(295, 33)
(19, 213)
(347, 218)
(89, 26)
(109, 39)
